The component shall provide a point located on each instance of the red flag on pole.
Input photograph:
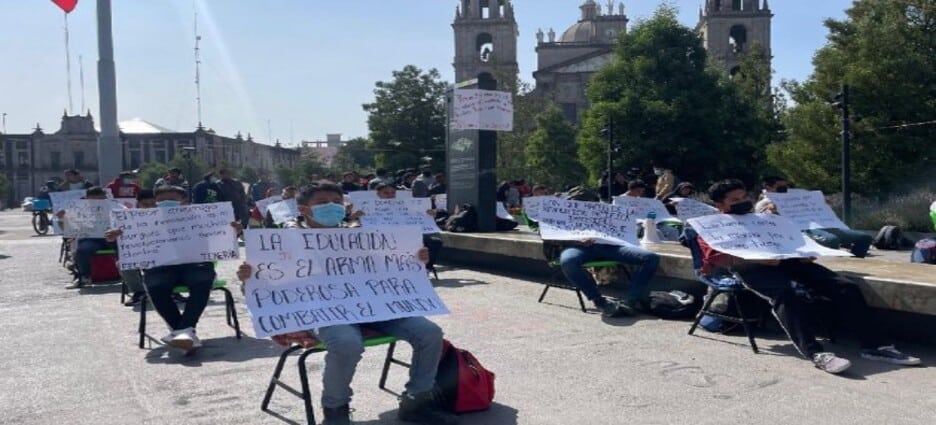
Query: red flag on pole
(66, 5)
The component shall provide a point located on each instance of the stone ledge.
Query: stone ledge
(903, 287)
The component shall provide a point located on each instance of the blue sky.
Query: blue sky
(303, 66)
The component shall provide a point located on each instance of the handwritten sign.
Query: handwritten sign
(359, 196)
(531, 205)
(475, 109)
(807, 210)
(564, 220)
(687, 208)
(284, 211)
(758, 237)
(88, 218)
(165, 236)
(398, 212)
(310, 278)
(264, 203)
(643, 206)
(60, 199)
(441, 202)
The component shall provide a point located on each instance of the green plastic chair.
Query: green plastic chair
(218, 285)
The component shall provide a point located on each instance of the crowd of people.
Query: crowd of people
(324, 205)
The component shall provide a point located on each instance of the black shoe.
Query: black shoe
(424, 408)
(135, 299)
(615, 309)
(337, 416)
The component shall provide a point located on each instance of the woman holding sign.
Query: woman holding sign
(322, 207)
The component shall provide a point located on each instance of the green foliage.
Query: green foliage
(309, 169)
(248, 174)
(407, 118)
(551, 152)
(353, 156)
(668, 107)
(5, 187)
(192, 171)
(511, 146)
(910, 211)
(885, 50)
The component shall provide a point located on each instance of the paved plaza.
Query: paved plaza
(70, 357)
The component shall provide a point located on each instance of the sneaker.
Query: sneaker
(78, 283)
(337, 415)
(611, 308)
(168, 338)
(135, 299)
(184, 339)
(179, 298)
(424, 408)
(889, 354)
(831, 363)
(196, 342)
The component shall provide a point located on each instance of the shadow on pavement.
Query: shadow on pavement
(226, 349)
(498, 414)
(456, 283)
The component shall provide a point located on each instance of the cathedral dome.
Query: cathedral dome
(581, 32)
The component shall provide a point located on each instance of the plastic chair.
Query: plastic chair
(553, 282)
(371, 339)
(218, 285)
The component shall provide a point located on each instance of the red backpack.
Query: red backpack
(464, 385)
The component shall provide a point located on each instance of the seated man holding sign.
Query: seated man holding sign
(323, 211)
(86, 247)
(769, 254)
(432, 241)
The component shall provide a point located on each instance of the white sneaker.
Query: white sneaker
(831, 363)
(184, 339)
(78, 283)
(168, 338)
(889, 354)
(196, 342)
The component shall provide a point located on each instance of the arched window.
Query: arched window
(737, 37)
(485, 46)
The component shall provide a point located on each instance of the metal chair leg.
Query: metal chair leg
(306, 392)
(705, 307)
(744, 322)
(386, 366)
(543, 295)
(143, 302)
(580, 300)
(274, 381)
(231, 310)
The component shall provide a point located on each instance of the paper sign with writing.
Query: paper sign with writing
(358, 196)
(264, 203)
(398, 212)
(565, 220)
(643, 206)
(475, 109)
(310, 278)
(758, 237)
(531, 205)
(60, 199)
(807, 210)
(441, 202)
(156, 237)
(687, 208)
(88, 218)
(284, 211)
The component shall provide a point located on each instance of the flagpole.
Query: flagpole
(110, 151)
(71, 107)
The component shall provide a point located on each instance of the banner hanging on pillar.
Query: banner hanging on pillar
(66, 5)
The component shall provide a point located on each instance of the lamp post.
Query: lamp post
(608, 132)
(187, 152)
(841, 102)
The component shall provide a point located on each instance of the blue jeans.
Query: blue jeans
(835, 238)
(574, 258)
(345, 346)
(85, 250)
(160, 281)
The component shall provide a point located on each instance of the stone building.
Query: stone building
(486, 35)
(29, 160)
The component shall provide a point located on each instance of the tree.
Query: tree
(551, 152)
(407, 118)
(309, 169)
(885, 50)
(192, 172)
(511, 146)
(352, 156)
(248, 174)
(668, 106)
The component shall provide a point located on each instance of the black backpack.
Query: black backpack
(673, 305)
(465, 220)
(890, 238)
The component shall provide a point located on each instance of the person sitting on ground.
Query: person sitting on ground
(773, 280)
(161, 281)
(86, 247)
(431, 241)
(133, 278)
(683, 190)
(322, 208)
(666, 180)
(858, 242)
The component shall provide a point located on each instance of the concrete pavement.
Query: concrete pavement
(70, 358)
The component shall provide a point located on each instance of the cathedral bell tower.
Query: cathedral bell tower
(730, 27)
(486, 41)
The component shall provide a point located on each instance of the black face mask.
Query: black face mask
(783, 189)
(741, 208)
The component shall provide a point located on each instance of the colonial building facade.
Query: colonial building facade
(29, 160)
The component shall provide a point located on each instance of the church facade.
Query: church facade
(486, 36)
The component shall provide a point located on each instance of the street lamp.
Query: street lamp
(608, 132)
(841, 102)
(187, 152)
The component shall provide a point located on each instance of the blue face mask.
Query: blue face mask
(328, 215)
(168, 204)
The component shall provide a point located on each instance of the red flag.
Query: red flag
(66, 5)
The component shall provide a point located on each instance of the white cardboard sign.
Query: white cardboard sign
(687, 208)
(475, 109)
(565, 220)
(441, 202)
(156, 237)
(758, 237)
(263, 204)
(807, 210)
(359, 196)
(88, 218)
(310, 278)
(284, 211)
(643, 206)
(61, 199)
(398, 212)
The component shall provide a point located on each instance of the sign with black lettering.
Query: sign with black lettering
(565, 220)
(758, 237)
(310, 278)
(156, 237)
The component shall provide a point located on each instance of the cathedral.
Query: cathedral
(486, 43)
